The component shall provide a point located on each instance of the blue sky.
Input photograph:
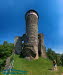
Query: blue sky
(12, 20)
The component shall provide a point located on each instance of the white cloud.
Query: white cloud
(60, 51)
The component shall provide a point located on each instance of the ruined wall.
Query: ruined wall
(24, 38)
(18, 44)
(41, 46)
(32, 29)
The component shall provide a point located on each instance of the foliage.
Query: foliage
(58, 60)
(61, 59)
(51, 54)
(5, 51)
(54, 56)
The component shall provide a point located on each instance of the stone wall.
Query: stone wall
(41, 46)
(18, 44)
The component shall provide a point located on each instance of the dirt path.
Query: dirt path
(62, 74)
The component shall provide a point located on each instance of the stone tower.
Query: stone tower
(32, 29)
(31, 44)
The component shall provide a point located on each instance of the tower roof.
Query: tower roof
(31, 12)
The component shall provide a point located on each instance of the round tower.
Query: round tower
(31, 18)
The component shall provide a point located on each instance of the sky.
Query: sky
(12, 20)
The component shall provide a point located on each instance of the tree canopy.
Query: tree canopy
(6, 50)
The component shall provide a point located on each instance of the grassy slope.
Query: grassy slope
(35, 67)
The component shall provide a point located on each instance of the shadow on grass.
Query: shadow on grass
(50, 69)
(21, 56)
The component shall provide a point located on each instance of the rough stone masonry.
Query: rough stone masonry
(31, 44)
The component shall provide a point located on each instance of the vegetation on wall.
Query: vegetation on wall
(6, 50)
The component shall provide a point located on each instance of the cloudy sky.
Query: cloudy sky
(12, 20)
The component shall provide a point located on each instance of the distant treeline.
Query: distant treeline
(6, 50)
(55, 56)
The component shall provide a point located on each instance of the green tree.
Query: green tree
(61, 58)
(51, 54)
(58, 59)
(5, 43)
(5, 51)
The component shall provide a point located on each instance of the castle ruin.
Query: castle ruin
(31, 44)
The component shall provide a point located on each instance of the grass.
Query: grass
(35, 67)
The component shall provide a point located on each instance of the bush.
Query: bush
(54, 56)
(5, 51)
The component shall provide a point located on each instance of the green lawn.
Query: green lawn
(35, 67)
